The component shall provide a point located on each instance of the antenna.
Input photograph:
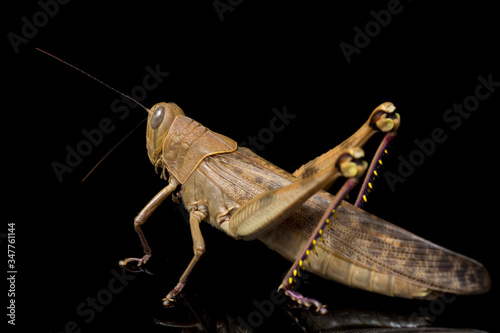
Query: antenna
(109, 87)
(93, 78)
(109, 152)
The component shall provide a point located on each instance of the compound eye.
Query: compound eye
(157, 117)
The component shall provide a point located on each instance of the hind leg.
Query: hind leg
(264, 212)
(383, 119)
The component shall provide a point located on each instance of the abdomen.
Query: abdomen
(328, 265)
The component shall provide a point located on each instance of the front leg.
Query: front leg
(142, 217)
(198, 211)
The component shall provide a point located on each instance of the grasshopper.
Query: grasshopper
(247, 197)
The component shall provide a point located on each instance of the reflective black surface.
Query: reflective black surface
(230, 75)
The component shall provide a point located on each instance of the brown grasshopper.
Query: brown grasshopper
(248, 198)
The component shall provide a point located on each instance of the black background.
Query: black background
(229, 75)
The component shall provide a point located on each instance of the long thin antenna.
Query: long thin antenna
(93, 78)
(109, 152)
(109, 87)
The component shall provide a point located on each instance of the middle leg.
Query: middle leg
(198, 211)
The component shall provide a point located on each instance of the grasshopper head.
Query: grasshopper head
(161, 117)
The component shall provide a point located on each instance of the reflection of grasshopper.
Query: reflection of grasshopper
(248, 198)
(209, 319)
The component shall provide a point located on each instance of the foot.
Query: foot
(306, 301)
(167, 301)
(143, 260)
